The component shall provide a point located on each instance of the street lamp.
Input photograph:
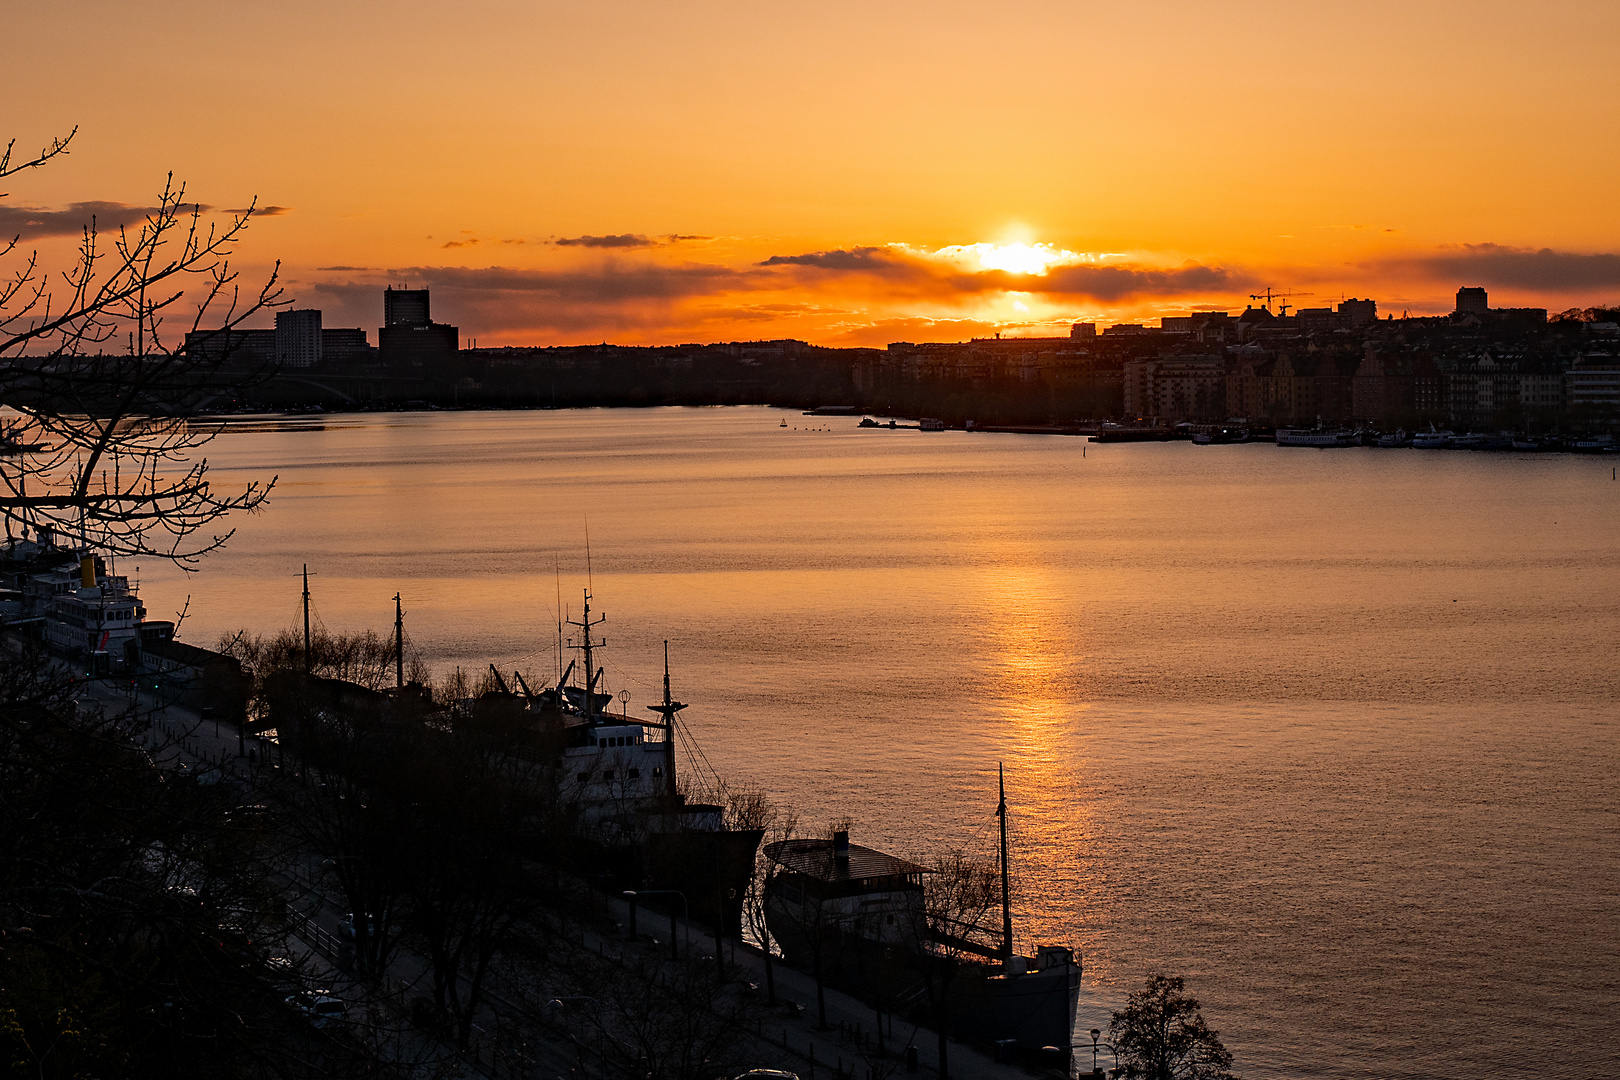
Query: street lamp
(1095, 1033)
(686, 909)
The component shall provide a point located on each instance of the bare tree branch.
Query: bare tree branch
(105, 445)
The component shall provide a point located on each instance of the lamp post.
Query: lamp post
(630, 895)
(686, 909)
(1096, 1045)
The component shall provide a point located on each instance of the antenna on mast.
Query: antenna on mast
(668, 710)
(591, 674)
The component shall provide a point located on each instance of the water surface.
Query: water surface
(1330, 733)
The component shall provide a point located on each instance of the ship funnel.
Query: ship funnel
(841, 845)
(87, 571)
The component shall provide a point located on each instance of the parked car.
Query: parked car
(321, 1010)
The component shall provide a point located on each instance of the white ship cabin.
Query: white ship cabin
(611, 759)
(92, 616)
(858, 889)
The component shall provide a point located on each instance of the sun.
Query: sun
(1020, 258)
(1014, 257)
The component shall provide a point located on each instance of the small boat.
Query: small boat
(929, 423)
(1527, 444)
(1394, 438)
(784, 422)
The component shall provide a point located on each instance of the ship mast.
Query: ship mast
(1006, 890)
(399, 644)
(591, 674)
(306, 620)
(668, 710)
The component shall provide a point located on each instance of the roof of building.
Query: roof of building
(181, 653)
(814, 858)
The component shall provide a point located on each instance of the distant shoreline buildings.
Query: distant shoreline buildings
(1477, 367)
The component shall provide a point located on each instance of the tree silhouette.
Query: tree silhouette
(1161, 1035)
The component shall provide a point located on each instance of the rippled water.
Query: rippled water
(1330, 733)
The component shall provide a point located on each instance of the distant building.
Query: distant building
(244, 349)
(1176, 388)
(1472, 300)
(1124, 328)
(409, 336)
(1592, 384)
(1358, 312)
(298, 338)
(1083, 330)
(405, 307)
(344, 346)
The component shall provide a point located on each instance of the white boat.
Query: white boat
(929, 423)
(1432, 439)
(1318, 437)
(1394, 438)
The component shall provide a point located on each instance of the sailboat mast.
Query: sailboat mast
(1006, 889)
(399, 644)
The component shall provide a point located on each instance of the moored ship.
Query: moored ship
(1317, 437)
(864, 917)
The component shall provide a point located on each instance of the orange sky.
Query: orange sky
(752, 170)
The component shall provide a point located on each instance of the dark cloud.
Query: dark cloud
(32, 221)
(260, 211)
(678, 238)
(1121, 282)
(1096, 282)
(610, 297)
(1520, 268)
(622, 240)
(862, 258)
(349, 269)
(460, 243)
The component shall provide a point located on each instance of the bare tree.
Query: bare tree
(105, 450)
(755, 916)
(960, 893)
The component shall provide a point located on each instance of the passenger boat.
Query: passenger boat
(929, 423)
(1432, 439)
(860, 916)
(1318, 437)
(1394, 438)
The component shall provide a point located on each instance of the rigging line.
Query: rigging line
(691, 741)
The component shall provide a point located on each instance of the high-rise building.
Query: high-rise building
(405, 307)
(298, 338)
(1472, 299)
(1083, 330)
(408, 336)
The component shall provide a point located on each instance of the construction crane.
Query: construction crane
(1268, 296)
